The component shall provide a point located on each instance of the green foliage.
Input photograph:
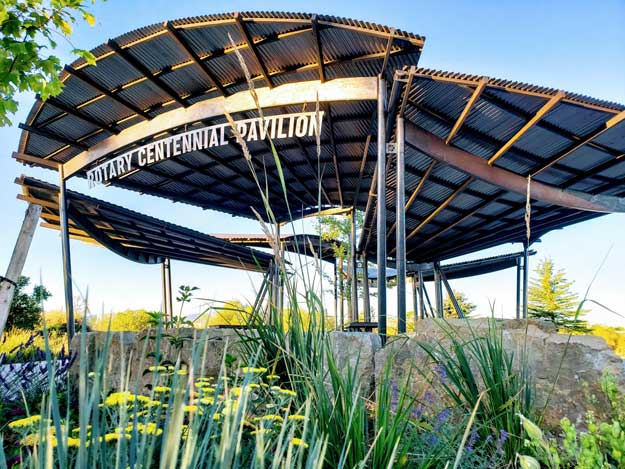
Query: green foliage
(551, 297)
(507, 390)
(128, 320)
(465, 305)
(13, 341)
(27, 31)
(26, 308)
(602, 444)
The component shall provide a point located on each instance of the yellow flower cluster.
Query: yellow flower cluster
(25, 422)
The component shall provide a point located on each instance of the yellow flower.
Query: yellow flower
(182, 372)
(73, 442)
(150, 428)
(77, 429)
(190, 408)
(207, 401)
(207, 389)
(269, 417)
(260, 431)
(299, 442)
(247, 369)
(297, 417)
(161, 389)
(25, 422)
(272, 376)
(31, 439)
(114, 437)
(287, 392)
(158, 368)
(217, 416)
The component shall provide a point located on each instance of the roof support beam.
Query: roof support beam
(317, 38)
(124, 54)
(467, 109)
(81, 115)
(250, 43)
(342, 89)
(477, 167)
(79, 74)
(337, 171)
(53, 136)
(542, 112)
(177, 36)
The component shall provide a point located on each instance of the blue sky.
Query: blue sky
(572, 45)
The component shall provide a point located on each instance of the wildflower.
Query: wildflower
(441, 371)
(25, 422)
(157, 368)
(77, 430)
(260, 431)
(190, 408)
(217, 416)
(297, 417)
(299, 442)
(149, 429)
(207, 389)
(31, 439)
(123, 398)
(207, 401)
(161, 389)
(272, 417)
(471, 441)
(73, 442)
(287, 392)
(275, 388)
(182, 372)
(152, 403)
(114, 437)
(443, 416)
(247, 369)
(272, 377)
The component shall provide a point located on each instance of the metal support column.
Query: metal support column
(341, 297)
(518, 288)
(365, 287)
(381, 209)
(400, 220)
(164, 288)
(438, 290)
(452, 296)
(415, 301)
(336, 297)
(525, 278)
(427, 298)
(67, 261)
(421, 302)
(170, 296)
(354, 268)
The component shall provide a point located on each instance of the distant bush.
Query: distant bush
(614, 336)
(19, 345)
(128, 320)
(26, 307)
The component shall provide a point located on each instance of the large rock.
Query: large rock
(356, 350)
(565, 370)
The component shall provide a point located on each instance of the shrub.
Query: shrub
(26, 307)
(128, 320)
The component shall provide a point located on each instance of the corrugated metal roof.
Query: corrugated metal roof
(153, 70)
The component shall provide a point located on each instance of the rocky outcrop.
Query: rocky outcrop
(565, 370)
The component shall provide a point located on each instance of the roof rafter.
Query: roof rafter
(250, 43)
(477, 92)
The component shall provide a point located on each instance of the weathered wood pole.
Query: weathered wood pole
(16, 264)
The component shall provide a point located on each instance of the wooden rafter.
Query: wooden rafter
(250, 44)
(467, 109)
(542, 112)
(177, 36)
(140, 67)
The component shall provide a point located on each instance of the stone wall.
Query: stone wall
(565, 370)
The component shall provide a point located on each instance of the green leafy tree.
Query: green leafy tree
(28, 29)
(465, 305)
(26, 308)
(550, 296)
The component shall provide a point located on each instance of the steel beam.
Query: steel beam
(252, 47)
(401, 229)
(354, 268)
(381, 209)
(451, 294)
(365, 287)
(477, 167)
(164, 288)
(67, 262)
(170, 299)
(438, 290)
(518, 288)
(525, 278)
(336, 297)
(415, 301)
(340, 89)
(477, 92)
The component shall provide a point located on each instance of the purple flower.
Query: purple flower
(501, 440)
(443, 416)
(441, 372)
(471, 441)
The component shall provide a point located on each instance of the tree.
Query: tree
(27, 28)
(550, 297)
(26, 308)
(449, 311)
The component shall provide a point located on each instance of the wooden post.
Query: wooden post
(16, 264)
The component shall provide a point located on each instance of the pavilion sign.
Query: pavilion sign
(300, 124)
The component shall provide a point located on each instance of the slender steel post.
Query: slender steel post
(518, 288)
(452, 296)
(341, 297)
(67, 261)
(427, 298)
(164, 288)
(421, 302)
(336, 296)
(400, 220)
(438, 291)
(354, 268)
(525, 278)
(415, 301)
(381, 209)
(279, 273)
(170, 295)
(365, 288)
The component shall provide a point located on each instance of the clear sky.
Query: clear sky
(573, 45)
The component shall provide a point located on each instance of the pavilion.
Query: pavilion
(442, 164)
